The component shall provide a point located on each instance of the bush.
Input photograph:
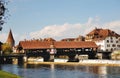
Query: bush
(6, 49)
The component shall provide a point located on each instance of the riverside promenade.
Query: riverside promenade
(82, 62)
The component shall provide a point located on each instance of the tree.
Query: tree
(6, 49)
(2, 12)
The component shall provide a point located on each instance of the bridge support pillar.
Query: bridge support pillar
(73, 58)
(25, 59)
(1, 60)
(8, 60)
(52, 57)
(5, 60)
(20, 60)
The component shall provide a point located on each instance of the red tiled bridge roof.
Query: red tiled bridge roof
(56, 44)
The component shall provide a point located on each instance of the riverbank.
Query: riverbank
(4, 74)
(83, 63)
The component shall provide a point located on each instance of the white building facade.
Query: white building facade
(109, 44)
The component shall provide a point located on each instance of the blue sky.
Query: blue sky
(59, 18)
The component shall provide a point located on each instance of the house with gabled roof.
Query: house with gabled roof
(106, 39)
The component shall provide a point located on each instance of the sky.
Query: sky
(35, 19)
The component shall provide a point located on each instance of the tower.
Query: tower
(10, 39)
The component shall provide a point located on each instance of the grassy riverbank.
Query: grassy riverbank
(4, 74)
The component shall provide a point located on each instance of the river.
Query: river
(61, 71)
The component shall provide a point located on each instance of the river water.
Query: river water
(61, 71)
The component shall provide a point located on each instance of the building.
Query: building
(79, 38)
(49, 39)
(68, 39)
(10, 40)
(106, 39)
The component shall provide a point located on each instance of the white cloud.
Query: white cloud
(58, 31)
(73, 30)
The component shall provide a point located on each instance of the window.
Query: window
(111, 41)
(116, 41)
(116, 37)
(106, 49)
(111, 49)
(79, 50)
(113, 45)
(111, 38)
(107, 41)
(108, 45)
(118, 46)
(101, 36)
(86, 49)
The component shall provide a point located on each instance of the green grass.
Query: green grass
(4, 74)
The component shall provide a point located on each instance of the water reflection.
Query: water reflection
(62, 71)
(101, 71)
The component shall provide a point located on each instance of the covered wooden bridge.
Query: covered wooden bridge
(37, 48)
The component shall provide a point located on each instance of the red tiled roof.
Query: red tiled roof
(103, 32)
(57, 44)
(34, 44)
(75, 44)
(100, 34)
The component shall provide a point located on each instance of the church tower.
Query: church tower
(10, 39)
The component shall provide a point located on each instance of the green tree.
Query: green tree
(6, 49)
(2, 12)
